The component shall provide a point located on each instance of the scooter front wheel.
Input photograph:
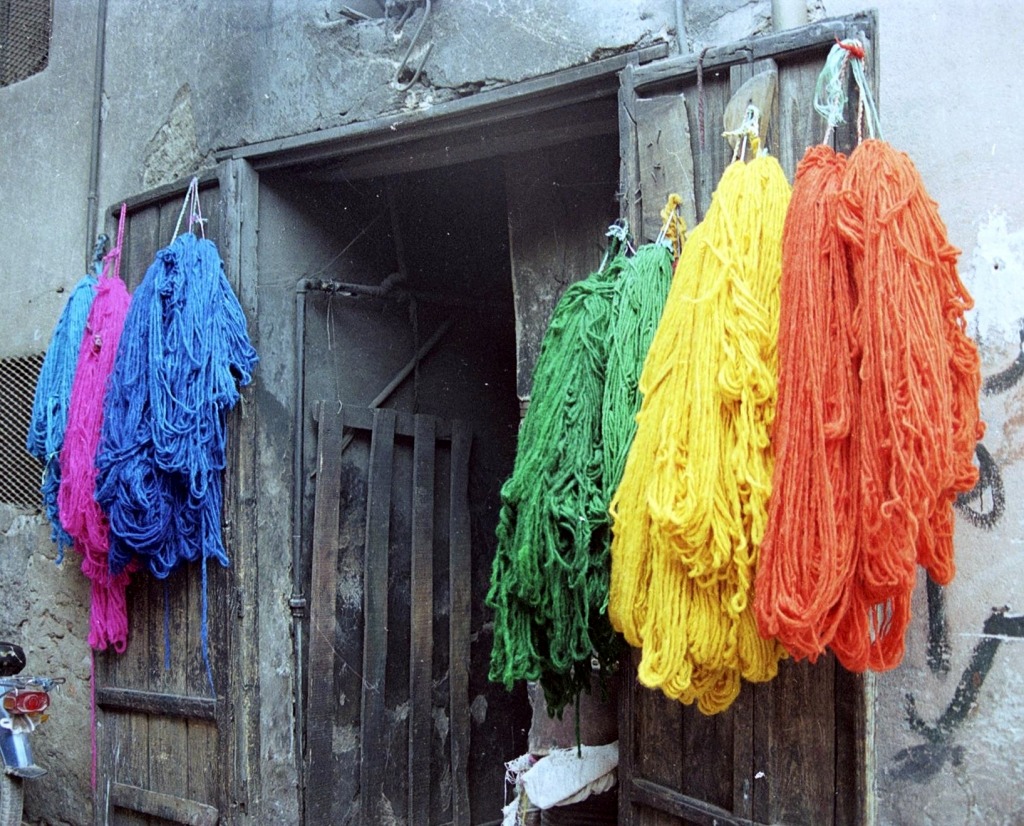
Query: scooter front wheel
(10, 800)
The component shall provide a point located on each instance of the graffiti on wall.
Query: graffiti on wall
(982, 507)
(921, 762)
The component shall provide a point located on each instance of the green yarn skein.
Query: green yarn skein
(549, 581)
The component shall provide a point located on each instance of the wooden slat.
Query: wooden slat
(421, 648)
(666, 161)
(151, 702)
(323, 603)
(174, 652)
(794, 744)
(165, 806)
(460, 590)
(373, 733)
(851, 743)
(132, 747)
(629, 158)
(663, 799)
(743, 753)
(715, 154)
(660, 727)
(800, 125)
(627, 735)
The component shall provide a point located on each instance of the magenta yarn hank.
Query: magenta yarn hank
(80, 515)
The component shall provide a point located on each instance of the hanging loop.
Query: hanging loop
(830, 96)
(194, 209)
(749, 132)
(112, 260)
(673, 227)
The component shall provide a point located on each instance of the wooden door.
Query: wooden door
(388, 714)
(790, 751)
(166, 752)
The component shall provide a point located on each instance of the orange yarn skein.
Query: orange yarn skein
(920, 377)
(878, 409)
(808, 555)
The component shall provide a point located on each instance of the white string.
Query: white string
(749, 128)
(830, 96)
(194, 209)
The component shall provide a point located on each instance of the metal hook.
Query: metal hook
(99, 249)
(408, 53)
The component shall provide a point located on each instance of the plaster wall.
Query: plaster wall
(185, 79)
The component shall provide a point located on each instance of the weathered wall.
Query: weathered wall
(185, 79)
(182, 80)
(45, 129)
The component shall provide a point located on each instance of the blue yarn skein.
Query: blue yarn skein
(183, 353)
(52, 397)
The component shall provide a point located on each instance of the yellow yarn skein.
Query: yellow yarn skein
(690, 512)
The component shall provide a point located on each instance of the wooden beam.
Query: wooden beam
(151, 702)
(460, 589)
(524, 134)
(530, 97)
(165, 806)
(778, 46)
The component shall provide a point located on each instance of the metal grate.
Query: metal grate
(25, 27)
(20, 472)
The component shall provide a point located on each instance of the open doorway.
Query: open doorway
(423, 292)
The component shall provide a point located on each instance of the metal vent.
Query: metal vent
(25, 27)
(20, 472)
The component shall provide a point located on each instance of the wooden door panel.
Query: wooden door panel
(387, 725)
(791, 750)
(163, 755)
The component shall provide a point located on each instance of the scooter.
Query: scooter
(23, 703)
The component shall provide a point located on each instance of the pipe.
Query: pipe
(788, 14)
(684, 47)
(386, 290)
(297, 601)
(97, 123)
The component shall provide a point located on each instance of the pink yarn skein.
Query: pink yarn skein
(80, 515)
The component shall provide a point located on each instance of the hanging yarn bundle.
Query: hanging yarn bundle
(639, 301)
(878, 399)
(549, 586)
(690, 512)
(80, 514)
(52, 396)
(808, 554)
(920, 380)
(546, 586)
(162, 447)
